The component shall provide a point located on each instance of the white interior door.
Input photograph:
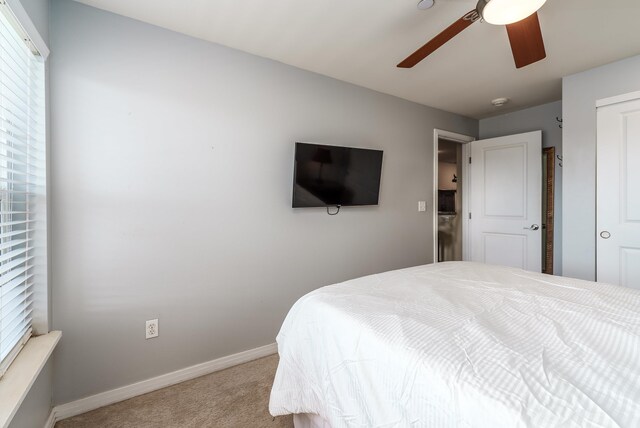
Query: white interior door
(618, 187)
(506, 201)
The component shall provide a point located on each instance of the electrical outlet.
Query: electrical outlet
(422, 206)
(152, 329)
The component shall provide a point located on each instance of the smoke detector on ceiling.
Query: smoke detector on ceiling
(425, 4)
(499, 102)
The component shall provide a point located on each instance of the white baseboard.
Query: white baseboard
(102, 399)
(51, 420)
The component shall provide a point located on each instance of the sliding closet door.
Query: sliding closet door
(618, 233)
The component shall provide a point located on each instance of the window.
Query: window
(22, 184)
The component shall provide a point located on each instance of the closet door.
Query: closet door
(618, 198)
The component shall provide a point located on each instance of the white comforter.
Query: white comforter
(462, 345)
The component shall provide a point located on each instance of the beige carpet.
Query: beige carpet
(235, 397)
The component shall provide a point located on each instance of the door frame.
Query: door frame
(466, 182)
(548, 215)
(604, 102)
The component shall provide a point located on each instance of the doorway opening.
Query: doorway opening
(451, 196)
(450, 191)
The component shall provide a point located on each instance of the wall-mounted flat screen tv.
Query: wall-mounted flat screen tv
(326, 176)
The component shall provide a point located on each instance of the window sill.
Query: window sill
(23, 372)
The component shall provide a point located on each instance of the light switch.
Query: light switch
(422, 206)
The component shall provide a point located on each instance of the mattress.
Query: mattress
(462, 345)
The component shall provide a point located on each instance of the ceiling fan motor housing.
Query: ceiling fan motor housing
(481, 5)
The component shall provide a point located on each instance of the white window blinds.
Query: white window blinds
(22, 183)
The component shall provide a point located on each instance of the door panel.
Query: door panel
(618, 233)
(629, 267)
(504, 181)
(631, 174)
(506, 201)
(495, 245)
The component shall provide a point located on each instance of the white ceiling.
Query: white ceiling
(361, 41)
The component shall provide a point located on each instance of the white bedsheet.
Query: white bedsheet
(462, 345)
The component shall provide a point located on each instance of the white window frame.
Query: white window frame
(19, 20)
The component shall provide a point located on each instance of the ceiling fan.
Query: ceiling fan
(523, 28)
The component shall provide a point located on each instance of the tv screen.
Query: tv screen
(331, 175)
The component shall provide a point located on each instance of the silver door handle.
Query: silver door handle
(605, 234)
(532, 227)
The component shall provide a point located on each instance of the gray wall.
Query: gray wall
(38, 11)
(580, 93)
(35, 408)
(171, 169)
(533, 119)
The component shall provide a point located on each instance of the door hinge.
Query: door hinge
(469, 159)
(469, 216)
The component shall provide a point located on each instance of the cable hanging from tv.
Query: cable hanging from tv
(337, 207)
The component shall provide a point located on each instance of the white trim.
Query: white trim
(466, 181)
(4, 364)
(618, 99)
(454, 136)
(466, 204)
(102, 399)
(28, 27)
(22, 374)
(51, 420)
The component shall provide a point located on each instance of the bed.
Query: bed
(461, 345)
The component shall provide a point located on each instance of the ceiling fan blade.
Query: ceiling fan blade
(439, 40)
(526, 41)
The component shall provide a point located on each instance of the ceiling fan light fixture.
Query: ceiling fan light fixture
(505, 12)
